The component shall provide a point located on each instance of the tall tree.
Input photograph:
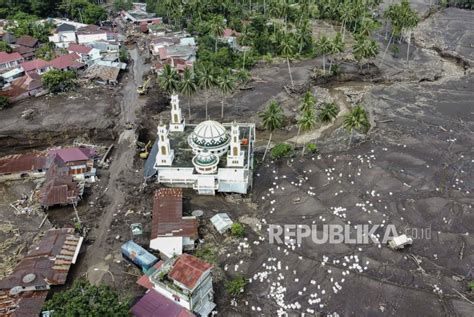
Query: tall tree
(206, 80)
(272, 118)
(226, 83)
(365, 48)
(356, 119)
(217, 29)
(169, 79)
(188, 87)
(324, 47)
(287, 50)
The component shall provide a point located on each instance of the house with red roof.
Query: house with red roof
(185, 280)
(38, 66)
(10, 60)
(79, 160)
(230, 37)
(85, 52)
(67, 62)
(171, 233)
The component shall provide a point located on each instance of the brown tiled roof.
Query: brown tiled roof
(188, 269)
(27, 41)
(67, 61)
(9, 57)
(34, 65)
(19, 163)
(168, 215)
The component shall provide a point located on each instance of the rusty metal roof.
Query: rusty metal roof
(23, 163)
(168, 217)
(59, 190)
(188, 269)
(46, 264)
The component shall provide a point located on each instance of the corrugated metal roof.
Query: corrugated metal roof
(153, 304)
(222, 222)
(168, 215)
(46, 264)
(23, 163)
(188, 269)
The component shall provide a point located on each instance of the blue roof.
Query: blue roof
(138, 254)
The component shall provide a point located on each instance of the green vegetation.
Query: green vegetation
(169, 79)
(470, 286)
(27, 24)
(236, 286)
(85, 299)
(46, 51)
(4, 102)
(273, 117)
(237, 230)
(463, 4)
(58, 81)
(328, 112)
(123, 5)
(365, 48)
(312, 147)
(206, 253)
(281, 150)
(4, 47)
(357, 119)
(123, 54)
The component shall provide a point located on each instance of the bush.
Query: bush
(236, 286)
(470, 286)
(237, 230)
(281, 150)
(4, 101)
(206, 253)
(57, 80)
(312, 147)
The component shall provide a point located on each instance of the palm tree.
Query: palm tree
(356, 119)
(287, 50)
(308, 103)
(324, 47)
(337, 46)
(328, 112)
(226, 84)
(206, 81)
(243, 76)
(306, 122)
(169, 79)
(188, 86)
(272, 118)
(365, 48)
(217, 29)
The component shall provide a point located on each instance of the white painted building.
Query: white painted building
(187, 281)
(207, 157)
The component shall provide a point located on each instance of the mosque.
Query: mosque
(209, 157)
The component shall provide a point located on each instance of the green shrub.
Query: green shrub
(470, 286)
(236, 286)
(206, 253)
(281, 150)
(4, 101)
(312, 147)
(237, 230)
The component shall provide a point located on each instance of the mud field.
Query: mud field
(414, 169)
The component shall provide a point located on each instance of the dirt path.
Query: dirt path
(122, 161)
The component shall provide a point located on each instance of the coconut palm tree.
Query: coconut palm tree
(272, 118)
(356, 119)
(226, 83)
(169, 79)
(365, 48)
(206, 80)
(328, 112)
(188, 87)
(308, 103)
(217, 27)
(337, 46)
(287, 50)
(306, 122)
(324, 47)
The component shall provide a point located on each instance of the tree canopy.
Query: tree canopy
(85, 299)
(58, 81)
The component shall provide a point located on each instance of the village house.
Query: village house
(87, 54)
(60, 190)
(79, 160)
(171, 233)
(91, 33)
(23, 292)
(230, 37)
(31, 83)
(10, 60)
(67, 62)
(186, 280)
(37, 65)
(28, 41)
(153, 304)
(138, 14)
(106, 46)
(11, 75)
(64, 35)
(18, 166)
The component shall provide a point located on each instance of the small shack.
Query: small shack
(138, 255)
(221, 222)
